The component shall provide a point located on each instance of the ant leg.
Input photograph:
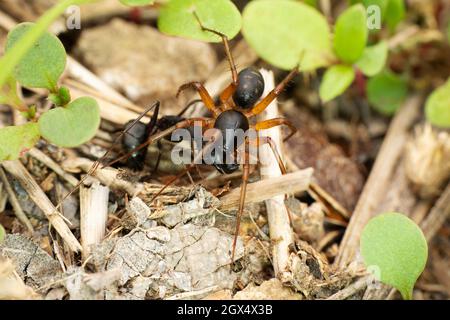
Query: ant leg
(188, 167)
(190, 104)
(97, 163)
(264, 103)
(206, 122)
(151, 126)
(267, 124)
(245, 175)
(158, 160)
(268, 140)
(204, 95)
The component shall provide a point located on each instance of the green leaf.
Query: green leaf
(350, 36)
(15, 140)
(2, 234)
(335, 81)
(177, 18)
(285, 33)
(312, 3)
(396, 248)
(43, 64)
(395, 13)
(373, 59)
(437, 108)
(72, 125)
(12, 58)
(136, 3)
(386, 92)
(10, 96)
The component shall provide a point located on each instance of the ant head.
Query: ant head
(250, 88)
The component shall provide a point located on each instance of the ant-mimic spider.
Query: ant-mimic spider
(238, 106)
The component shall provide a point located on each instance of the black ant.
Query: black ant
(238, 104)
(137, 133)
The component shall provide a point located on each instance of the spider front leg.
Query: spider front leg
(228, 92)
(264, 103)
(231, 89)
(204, 95)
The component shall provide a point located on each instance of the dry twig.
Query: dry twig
(15, 203)
(19, 172)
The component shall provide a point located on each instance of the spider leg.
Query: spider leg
(156, 137)
(228, 92)
(231, 88)
(267, 124)
(234, 74)
(245, 175)
(264, 103)
(204, 95)
(268, 140)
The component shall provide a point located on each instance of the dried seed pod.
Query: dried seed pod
(427, 161)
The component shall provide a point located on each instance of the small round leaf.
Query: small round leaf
(335, 81)
(373, 59)
(137, 3)
(15, 140)
(72, 125)
(437, 108)
(395, 247)
(177, 18)
(287, 33)
(386, 92)
(42, 66)
(351, 34)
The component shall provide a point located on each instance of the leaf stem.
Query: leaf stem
(13, 57)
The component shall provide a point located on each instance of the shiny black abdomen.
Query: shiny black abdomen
(250, 88)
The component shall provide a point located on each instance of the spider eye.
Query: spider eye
(250, 88)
